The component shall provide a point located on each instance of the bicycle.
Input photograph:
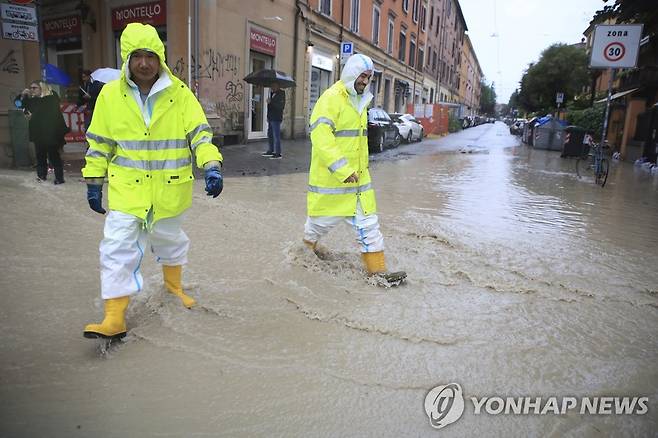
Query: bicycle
(593, 164)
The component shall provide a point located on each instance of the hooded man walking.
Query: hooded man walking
(145, 128)
(339, 187)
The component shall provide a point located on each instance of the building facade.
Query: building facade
(213, 45)
(470, 79)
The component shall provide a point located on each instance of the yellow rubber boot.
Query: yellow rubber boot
(376, 267)
(172, 278)
(114, 323)
(320, 251)
(374, 261)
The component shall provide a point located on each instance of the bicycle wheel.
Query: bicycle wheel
(602, 174)
(583, 167)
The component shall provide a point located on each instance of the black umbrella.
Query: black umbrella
(268, 77)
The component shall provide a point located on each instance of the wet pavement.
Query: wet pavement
(523, 281)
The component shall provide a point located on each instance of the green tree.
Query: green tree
(561, 68)
(589, 118)
(631, 11)
(513, 103)
(487, 98)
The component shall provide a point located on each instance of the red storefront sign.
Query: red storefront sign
(74, 117)
(154, 13)
(62, 27)
(262, 42)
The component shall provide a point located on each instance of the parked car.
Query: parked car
(382, 132)
(409, 127)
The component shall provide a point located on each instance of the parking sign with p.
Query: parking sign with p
(346, 50)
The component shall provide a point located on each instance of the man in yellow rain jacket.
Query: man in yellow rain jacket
(146, 130)
(339, 187)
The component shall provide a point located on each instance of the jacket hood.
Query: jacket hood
(142, 36)
(355, 65)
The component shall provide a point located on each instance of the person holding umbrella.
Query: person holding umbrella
(146, 130)
(275, 105)
(339, 185)
(276, 80)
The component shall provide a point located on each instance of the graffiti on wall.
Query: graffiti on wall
(225, 96)
(9, 63)
(213, 65)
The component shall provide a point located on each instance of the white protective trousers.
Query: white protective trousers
(368, 236)
(122, 250)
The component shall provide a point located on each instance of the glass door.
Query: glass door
(258, 98)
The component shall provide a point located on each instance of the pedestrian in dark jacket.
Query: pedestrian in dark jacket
(275, 105)
(87, 94)
(47, 128)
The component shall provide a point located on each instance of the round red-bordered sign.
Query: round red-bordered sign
(614, 51)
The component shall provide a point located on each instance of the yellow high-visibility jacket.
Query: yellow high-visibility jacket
(339, 137)
(148, 167)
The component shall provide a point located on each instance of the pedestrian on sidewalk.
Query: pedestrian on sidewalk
(145, 128)
(46, 128)
(88, 92)
(275, 105)
(339, 187)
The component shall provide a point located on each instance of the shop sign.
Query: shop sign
(154, 13)
(62, 27)
(23, 32)
(21, 14)
(262, 42)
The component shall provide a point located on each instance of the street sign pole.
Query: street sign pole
(611, 74)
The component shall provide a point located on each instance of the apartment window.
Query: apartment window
(391, 30)
(405, 6)
(433, 60)
(412, 51)
(421, 56)
(449, 7)
(354, 21)
(431, 16)
(375, 26)
(438, 19)
(402, 45)
(414, 13)
(423, 13)
(325, 7)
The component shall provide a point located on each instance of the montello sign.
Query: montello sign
(154, 13)
(61, 27)
(262, 42)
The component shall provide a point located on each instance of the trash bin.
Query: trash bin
(573, 141)
(20, 138)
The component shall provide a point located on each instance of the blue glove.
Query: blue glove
(214, 182)
(95, 197)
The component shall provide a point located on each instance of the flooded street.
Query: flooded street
(523, 281)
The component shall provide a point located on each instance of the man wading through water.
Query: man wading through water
(339, 186)
(146, 127)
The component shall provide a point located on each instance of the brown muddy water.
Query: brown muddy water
(523, 281)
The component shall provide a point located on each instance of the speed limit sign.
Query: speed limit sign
(615, 46)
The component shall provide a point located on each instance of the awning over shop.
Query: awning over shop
(618, 95)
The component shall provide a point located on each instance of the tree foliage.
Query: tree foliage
(561, 68)
(590, 118)
(631, 11)
(487, 98)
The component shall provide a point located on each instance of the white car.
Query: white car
(409, 127)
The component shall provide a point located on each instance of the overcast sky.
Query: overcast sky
(507, 35)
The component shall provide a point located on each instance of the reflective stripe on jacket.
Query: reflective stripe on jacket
(339, 138)
(148, 167)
